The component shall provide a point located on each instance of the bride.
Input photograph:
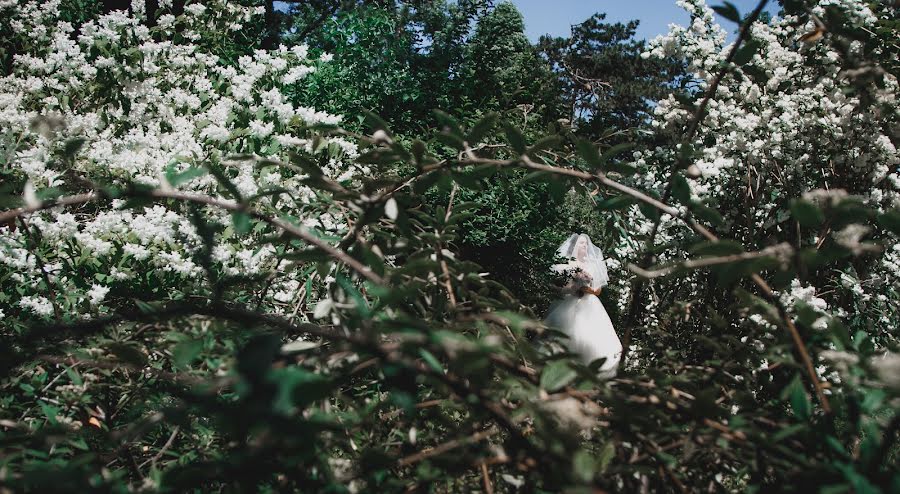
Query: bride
(580, 314)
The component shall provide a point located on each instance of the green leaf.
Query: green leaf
(297, 388)
(787, 432)
(649, 211)
(807, 213)
(375, 122)
(450, 140)
(681, 190)
(558, 189)
(745, 53)
(431, 360)
(223, 180)
(799, 400)
(719, 248)
(615, 203)
(72, 146)
(255, 358)
(707, 214)
(686, 154)
(610, 153)
(589, 153)
(186, 352)
(146, 308)
(606, 456)
(467, 180)
(449, 123)
(621, 168)
(361, 306)
(584, 465)
(80, 443)
(839, 334)
(418, 149)
(481, 128)
(544, 143)
(890, 220)
(728, 11)
(515, 138)
(307, 255)
(426, 181)
(306, 164)
(241, 221)
(50, 412)
(192, 172)
(557, 374)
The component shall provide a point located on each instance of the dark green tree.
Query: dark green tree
(605, 82)
(502, 69)
(372, 70)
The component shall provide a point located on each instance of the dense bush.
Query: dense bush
(207, 285)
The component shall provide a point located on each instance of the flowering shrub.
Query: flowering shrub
(123, 105)
(790, 134)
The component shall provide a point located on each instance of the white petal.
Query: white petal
(30, 196)
(390, 208)
(323, 308)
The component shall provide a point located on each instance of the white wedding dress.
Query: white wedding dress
(583, 318)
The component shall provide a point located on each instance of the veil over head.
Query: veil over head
(592, 258)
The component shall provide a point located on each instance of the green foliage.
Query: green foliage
(372, 70)
(605, 84)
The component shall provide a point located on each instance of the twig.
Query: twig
(447, 446)
(58, 376)
(293, 230)
(162, 450)
(419, 406)
(780, 250)
(486, 478)
(440, 254)
(289, 228)
(658, 449)
(12, 214)
(40, 264)
(168, 376)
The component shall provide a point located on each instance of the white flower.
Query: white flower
(261, 129)
(97, 293)
(195, 8)
(37, 304)
(323, 308)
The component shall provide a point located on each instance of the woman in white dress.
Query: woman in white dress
(580, 314)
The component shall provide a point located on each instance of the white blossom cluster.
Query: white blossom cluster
(146, 105)
(784, 118)
(783, 125)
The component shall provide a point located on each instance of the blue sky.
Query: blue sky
(555, 16)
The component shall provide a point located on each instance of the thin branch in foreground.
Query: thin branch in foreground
(289, 228)
(162, 450)
(447, 446)
(779, 251)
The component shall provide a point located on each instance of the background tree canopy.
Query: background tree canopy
(305, 247)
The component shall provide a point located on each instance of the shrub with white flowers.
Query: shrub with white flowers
(790, 127)
(119, 103)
